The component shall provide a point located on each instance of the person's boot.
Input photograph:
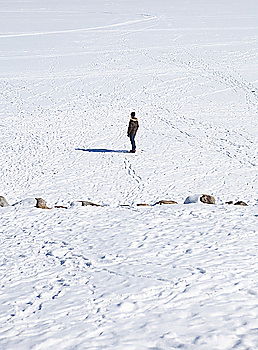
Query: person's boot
(133, 151)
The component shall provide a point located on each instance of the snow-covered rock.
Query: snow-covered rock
(200, 198)
(27, 202)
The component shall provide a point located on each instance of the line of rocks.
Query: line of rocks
(203, 198)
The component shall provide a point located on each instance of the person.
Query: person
(132, 129)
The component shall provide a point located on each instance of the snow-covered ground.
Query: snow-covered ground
(182, 276)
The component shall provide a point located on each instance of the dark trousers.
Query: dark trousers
(132, 137)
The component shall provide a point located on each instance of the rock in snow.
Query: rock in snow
(207, 199)
(166, 202)
(237, 203)
(241, 203)
(41, 203)
(200, 198)
(3, 202)
(229, 202)
(87, 203)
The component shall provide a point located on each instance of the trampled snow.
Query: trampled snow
(122, 276)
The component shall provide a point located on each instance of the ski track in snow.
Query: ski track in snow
(77, 30)
(113, 277)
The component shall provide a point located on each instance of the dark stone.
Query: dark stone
(3, 202)
(241, 203)
(207, 199)
(87, 203)
(165, 202)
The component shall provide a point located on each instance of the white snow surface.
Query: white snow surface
(127, 277)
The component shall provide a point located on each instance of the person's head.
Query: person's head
(133, 114)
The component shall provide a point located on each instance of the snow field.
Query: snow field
(180, 277)
(130, 278)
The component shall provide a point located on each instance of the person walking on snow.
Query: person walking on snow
(132, 129)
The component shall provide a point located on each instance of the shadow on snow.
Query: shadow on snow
(100, 150)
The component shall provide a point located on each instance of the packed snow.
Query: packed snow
(120, 276)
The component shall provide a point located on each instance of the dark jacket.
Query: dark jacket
(133, 126)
